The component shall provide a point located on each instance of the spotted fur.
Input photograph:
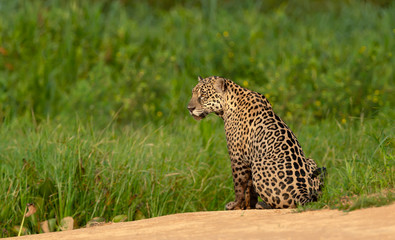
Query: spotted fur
(266, 158)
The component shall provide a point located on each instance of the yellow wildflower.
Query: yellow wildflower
(362, 49)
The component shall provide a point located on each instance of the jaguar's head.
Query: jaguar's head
(207, 97)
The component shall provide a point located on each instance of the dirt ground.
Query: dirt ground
(371, 223)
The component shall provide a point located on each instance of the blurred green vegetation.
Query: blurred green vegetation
(93, 95)
(140, 60)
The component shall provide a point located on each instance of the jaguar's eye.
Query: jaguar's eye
(199, 99)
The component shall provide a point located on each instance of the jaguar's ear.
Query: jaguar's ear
(200, 78)
(219, 85)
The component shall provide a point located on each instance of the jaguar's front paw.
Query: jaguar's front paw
(233, 205)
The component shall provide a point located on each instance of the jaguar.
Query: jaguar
(266, 158)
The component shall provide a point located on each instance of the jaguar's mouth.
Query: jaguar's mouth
(198, 116)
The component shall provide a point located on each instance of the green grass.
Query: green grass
(77, 170)
(84, 172)
(360, 160)
(93, 95)
(97, 58)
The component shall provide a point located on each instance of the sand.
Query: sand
(371, 223)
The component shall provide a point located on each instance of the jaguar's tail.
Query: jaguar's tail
(320, 173)
(318, 176)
